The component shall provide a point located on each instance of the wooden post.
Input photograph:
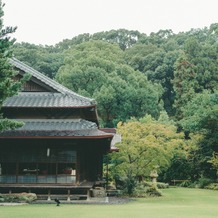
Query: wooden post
(49, 195)
(68, 195)
(88, 195)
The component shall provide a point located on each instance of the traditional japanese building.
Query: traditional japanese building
(60, 147)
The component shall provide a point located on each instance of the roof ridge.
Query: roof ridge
(48, 81)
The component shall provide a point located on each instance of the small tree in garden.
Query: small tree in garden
(145, 143)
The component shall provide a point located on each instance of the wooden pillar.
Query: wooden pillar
(49, 195)
(17, 171)
(56, 172)
(88, 195)
(68, 195)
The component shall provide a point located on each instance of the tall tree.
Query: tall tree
(97, 69)
(200, 115)
(8, 86)
(184, 84)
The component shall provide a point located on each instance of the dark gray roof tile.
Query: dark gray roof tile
(56, 128)
(44, 99)
(56, 124)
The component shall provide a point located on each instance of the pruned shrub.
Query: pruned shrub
(18, 197)
(160, 185)
(212, 186)
(146, 190)
(153, 191)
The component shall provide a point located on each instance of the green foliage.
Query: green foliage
(185, 183)
(153, 191)
(145, 143)
(8, 86)
(214, 161)
(154, 55)
(183, 83)
(146, 191)
(98, 69)
(203, 182)
(6, 124)
(212, 186)
(160, 185)
(45, 59)
(201, 112)
(201, 116)
(18, 197)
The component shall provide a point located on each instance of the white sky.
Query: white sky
(48, 22)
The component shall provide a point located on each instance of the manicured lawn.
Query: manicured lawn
(176, 203)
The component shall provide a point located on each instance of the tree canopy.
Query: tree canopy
(97, 69)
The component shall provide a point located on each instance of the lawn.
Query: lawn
(176, 203)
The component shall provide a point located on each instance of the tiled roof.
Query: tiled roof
(51, 83)
(44, 99)
(56, 128)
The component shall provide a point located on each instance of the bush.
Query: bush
(147, 189)
(212, 186)
(153, 191)
(186, 183)
(18, 197)
(160, 185)
(203, 182)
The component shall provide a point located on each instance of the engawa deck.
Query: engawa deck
(52, 191)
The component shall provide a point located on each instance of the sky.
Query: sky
(48, 22)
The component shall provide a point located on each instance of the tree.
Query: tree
(204, 57)
(145, 143)
(46, 59)
(97, 69)
(201, 116)
(122, 37)
(184, 84)
(8, 86)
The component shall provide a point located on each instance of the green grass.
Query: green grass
(176, 203)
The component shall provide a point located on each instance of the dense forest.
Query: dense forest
(165, 81)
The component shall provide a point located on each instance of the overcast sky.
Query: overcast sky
(48, 22)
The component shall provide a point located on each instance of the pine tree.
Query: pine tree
(8, 86)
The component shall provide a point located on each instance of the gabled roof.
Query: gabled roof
(58, 88)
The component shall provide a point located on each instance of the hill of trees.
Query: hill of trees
(133, 76)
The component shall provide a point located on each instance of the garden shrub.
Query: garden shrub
(18, 197)
(203, 182)
(153, 191)
(212, 186)
(185, 183)
(146, 190)
(160, 185)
